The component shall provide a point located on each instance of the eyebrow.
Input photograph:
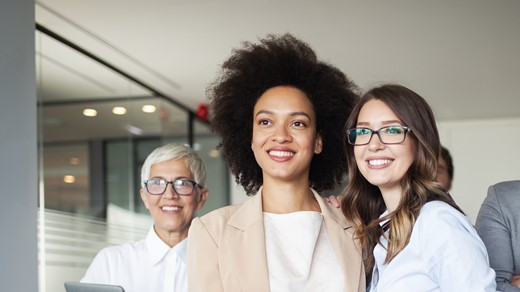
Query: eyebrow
(268, 112)
(176, 178)
(384, 123)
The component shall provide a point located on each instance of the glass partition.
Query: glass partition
(96, 127)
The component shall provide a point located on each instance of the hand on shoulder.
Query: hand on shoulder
(335, 201)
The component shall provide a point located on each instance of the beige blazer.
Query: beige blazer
(226, 249)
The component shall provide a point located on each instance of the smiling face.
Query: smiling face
(172, 213)
(383, 165)
(284, 134)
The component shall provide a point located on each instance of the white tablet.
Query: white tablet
(88, 287)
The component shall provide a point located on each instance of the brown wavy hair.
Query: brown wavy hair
(276, 61)
(363, 203)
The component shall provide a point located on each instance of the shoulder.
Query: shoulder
(439, 225)
(500, 207)
(439, 218)
(219, 216)
(442, 211)
(508, 191)
(214, 222)
(122, 250)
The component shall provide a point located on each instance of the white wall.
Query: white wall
(238, 194)
(484, 152)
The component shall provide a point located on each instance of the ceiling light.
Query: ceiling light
(69, 179)
(148, 108)
(119, 110)
(74, 161)
(89, 112)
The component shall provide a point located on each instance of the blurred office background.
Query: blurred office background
(98, 84)
(96, 127)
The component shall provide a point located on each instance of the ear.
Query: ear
(202, 198)
(318, 144)
(144, 197)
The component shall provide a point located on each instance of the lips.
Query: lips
(279, 153)
(171, 208)
(379, 162)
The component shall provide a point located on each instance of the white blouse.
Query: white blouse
(145, 265)
(300, 256)
(444, 254)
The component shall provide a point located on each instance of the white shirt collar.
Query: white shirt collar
(158, 249)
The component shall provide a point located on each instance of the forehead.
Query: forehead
(284, 99)
(376, 111)
(170, 168)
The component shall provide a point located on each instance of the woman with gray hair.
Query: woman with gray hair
(172, 180)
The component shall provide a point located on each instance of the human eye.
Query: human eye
(299, 124)
(393, 130)
(264, 122)
(183, 183)
(363, 131)
(157, 181)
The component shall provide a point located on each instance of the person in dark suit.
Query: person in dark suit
(498, 224)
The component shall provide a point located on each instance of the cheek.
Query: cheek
(412, 151)
(358, 153)
(258, 138)
(151, 201)
(409, 154)
(191, 202)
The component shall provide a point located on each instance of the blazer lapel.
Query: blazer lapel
(246, 246)
(351, 260)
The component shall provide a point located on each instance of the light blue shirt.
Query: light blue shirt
(147, 265)
(444, 254)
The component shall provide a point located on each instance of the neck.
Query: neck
(171, 238)
(392, 197)
(283, 198)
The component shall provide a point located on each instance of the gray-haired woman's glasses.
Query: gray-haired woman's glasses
(158, 186)
(387, 135)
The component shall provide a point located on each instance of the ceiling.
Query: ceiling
(462, 56)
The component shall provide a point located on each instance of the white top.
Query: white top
(300, 257)
(147, 265)
(444, 254)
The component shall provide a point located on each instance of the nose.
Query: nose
(281, 134)
(170, 192)
(375, 143)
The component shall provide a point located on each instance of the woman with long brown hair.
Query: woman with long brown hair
(414, 236)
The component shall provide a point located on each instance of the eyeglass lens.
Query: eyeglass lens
(182, 187)
(387, 135)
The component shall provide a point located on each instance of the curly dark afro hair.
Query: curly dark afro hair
(275, 61)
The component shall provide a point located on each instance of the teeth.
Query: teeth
(281, 153)
(170, 208)
(379, 162)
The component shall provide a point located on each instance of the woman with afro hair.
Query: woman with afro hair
(280, 113)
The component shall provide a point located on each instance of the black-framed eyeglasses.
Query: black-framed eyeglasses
(387, 135)
(182, 187)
